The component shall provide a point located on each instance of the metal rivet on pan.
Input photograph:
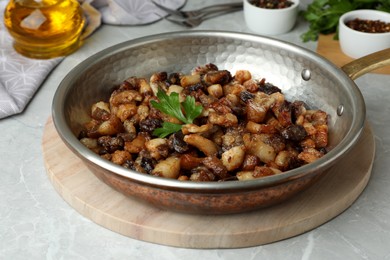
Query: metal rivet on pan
(306, 74)
(340, 110)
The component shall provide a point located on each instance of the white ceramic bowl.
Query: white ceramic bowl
(270, 21)
(357, 44)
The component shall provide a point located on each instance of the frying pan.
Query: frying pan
(300, 73)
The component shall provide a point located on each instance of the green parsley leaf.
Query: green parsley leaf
(323, 15)
(171, 106)
(166, 129)
(191, 109)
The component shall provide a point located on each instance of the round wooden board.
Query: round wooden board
(329, 197)
(330, 49)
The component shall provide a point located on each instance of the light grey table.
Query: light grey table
(36, 223)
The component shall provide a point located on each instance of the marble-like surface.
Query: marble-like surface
(36, 223)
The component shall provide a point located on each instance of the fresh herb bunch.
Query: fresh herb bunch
(323, 15)
(171, 106)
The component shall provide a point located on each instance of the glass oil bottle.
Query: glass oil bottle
(44, 29)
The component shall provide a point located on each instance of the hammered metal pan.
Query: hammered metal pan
(300, 73)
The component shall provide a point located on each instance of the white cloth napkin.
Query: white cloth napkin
(20, 77)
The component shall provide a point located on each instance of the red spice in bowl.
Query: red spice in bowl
(272, 4)
(368, 26)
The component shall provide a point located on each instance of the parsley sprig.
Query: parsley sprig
(323, 15)
(171, 106)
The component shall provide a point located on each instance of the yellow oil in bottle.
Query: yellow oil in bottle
(44, 29)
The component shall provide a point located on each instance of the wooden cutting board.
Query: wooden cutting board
(330, 49)
(329, 197)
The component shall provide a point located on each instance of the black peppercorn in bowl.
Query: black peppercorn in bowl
(362, 32)
(300, 73)
(266, 17)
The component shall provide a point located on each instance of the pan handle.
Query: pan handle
(367, 63)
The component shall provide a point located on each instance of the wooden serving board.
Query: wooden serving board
(329, 197)
(330, 49)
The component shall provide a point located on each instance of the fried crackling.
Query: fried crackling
(221, 77)
(126, 111)
(189, 80)
(100, 111)
(257, 107)
(158, 81)
(208, 147)
(204, 69)
(284, 159)
(265, 152)
(246, 129)
(201, 173)
(138, 144)
(195, 129)
(188, 161)
(226, 120)
(144, 88)
(255, 128)
(233, 158)
(242, 76)
(90, 143)
(157, 148)
(168, 168)
(310, 155)
(233, 88)
(124, 97)
(251, 86)
(232, 137)
(216, 166)
(250, 162)
(110, 127)
(258, 172)
(215, 90)
(120, 157)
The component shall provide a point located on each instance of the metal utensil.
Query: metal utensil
(202, 12)
(196, 21)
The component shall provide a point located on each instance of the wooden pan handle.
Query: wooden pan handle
(367, 63)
